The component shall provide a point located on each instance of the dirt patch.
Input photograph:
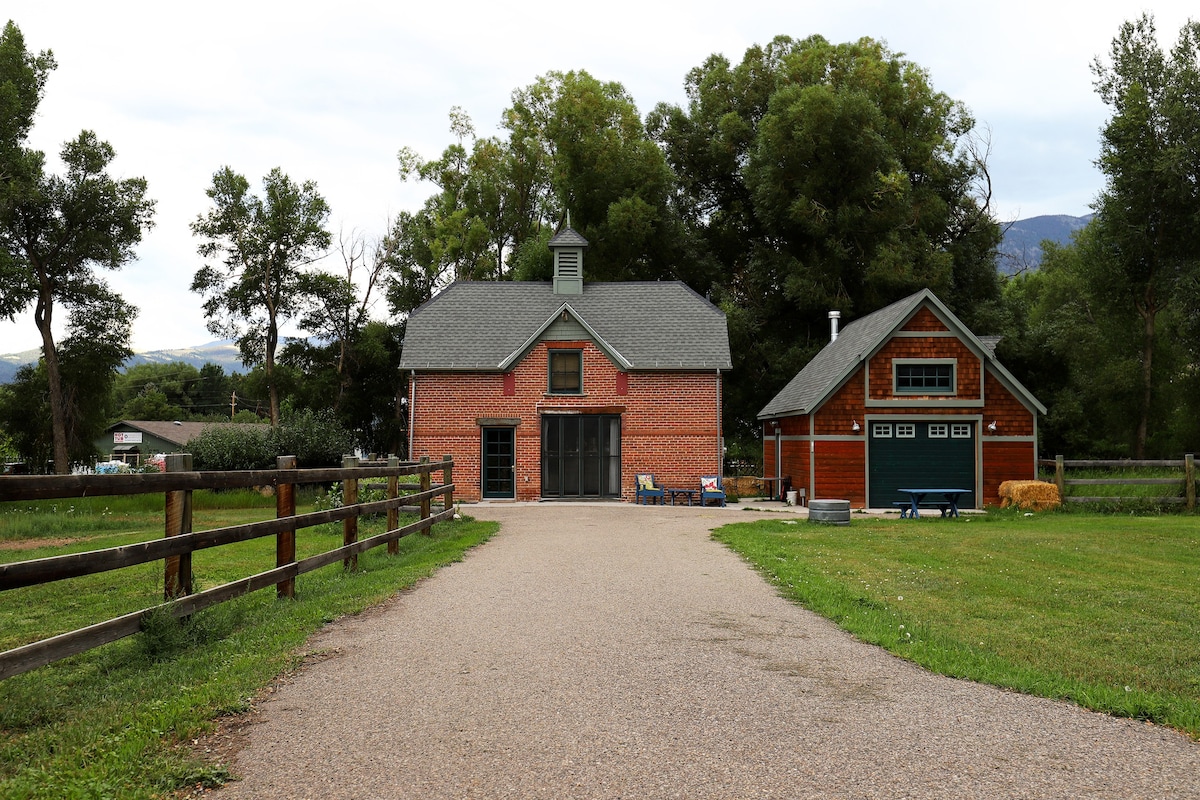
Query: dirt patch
(33, 544)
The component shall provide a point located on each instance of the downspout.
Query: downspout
(412, 411)
(720, 437)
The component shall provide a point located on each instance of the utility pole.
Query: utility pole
(232, 405)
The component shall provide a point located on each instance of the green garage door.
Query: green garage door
(915, 454)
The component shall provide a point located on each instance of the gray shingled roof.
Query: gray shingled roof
(180, 433)
(643, 325)
(839, 359)
(568, 237)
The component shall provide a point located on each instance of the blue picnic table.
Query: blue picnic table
(912, 507)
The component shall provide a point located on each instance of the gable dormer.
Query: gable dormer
(567, 246)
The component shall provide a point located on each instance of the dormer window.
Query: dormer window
(566, 372)
(932, 376)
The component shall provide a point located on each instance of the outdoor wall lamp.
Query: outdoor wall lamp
(854, 426)
(992, 426)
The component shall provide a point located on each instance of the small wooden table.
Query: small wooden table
(915, 496)
(775, 487)
(691, 493)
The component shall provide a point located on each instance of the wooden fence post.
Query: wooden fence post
(447, 479)
(1189, 477)
(285, 541)
(350, 524)
(1060, 480)
(177, 570)
(393, 514)
(425, 485)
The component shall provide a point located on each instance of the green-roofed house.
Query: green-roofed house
(567, 389)
(905, 397)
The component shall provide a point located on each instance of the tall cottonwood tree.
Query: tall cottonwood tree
(570, 145)
(1148, 217)
(825, 176)
(57, 230)
(256, 251)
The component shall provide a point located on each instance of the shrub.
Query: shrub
(316, 439)
(232, 447)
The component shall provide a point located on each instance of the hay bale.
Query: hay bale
(1032, 495)
(745, 486)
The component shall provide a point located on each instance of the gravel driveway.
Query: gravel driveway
(616, 651)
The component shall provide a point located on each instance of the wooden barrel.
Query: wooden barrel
(829, 512)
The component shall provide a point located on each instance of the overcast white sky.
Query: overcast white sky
(329, 92)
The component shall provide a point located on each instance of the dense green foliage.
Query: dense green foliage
(1106, 331)
(1097, 610)
(316, 439)
(88, 360)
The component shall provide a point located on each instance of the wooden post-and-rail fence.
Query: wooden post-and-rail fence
(1187, 464)
(175, 549)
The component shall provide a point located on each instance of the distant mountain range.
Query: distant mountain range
(222, 353)
(1021, 247)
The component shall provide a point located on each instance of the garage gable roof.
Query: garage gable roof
(489, 325)
(861, 339)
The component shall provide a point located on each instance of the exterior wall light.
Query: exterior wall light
(854, 426)
(992, 426)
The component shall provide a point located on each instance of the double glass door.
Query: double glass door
(581, 455)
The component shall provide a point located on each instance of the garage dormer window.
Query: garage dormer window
(566, 372)
(931, 376)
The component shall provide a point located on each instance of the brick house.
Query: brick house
(904, 397)
(565, 390)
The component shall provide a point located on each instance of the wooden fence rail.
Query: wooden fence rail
(176, 548)
(1187, 479)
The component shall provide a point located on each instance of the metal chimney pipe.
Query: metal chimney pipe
(834, 316)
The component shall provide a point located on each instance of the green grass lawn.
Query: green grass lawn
(114, 722)
(1102, 610)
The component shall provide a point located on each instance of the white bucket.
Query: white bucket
(791, 497)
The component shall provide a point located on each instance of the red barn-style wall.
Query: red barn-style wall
(905, 394)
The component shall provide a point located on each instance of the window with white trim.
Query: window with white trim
(960, 430)
(924, 377)
(937, 430)
(881, 430)
(906, 430)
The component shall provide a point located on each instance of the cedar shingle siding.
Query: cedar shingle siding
(852, 380)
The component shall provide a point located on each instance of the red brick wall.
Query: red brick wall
(670, 423)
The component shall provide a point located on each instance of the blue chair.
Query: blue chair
(711, 488)
(647, 488)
